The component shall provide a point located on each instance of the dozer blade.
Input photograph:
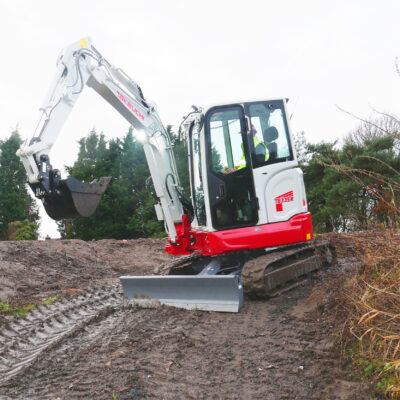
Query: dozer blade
(72, 198)
(192, 292)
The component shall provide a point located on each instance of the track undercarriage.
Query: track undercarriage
(217, 283)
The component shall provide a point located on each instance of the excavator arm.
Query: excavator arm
(80, 65)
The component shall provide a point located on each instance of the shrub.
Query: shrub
(22, 230)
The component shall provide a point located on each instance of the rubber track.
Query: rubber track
(24, 340)
(253, 272)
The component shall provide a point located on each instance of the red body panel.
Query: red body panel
(296, 229)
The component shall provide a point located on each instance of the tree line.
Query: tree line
(126, 209)
(19, 216)
(351, 186)
(356, 185)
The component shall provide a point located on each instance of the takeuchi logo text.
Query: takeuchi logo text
(283, 198)
(130, 106)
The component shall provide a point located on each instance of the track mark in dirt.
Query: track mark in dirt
(23, 341)
(277, 349)
(31, 271)
(271, 350)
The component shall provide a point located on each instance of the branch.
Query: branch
(385, 114)
(363, 120)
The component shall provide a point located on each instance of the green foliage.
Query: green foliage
(352, 187)
(50, 300)
(15, 202)
(181, 158)
(8, 309)
(144, 223)
(22, 312)
(374, 368)
(22, 230)
(126, 210)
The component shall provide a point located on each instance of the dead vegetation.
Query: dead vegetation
(369, 305)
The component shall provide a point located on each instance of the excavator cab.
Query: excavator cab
(244, 146)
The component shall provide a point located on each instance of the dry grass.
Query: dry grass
(371, 305)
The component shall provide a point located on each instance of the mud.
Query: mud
(31, 271)
(90, 345)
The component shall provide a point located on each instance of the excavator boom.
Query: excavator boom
(80, 65)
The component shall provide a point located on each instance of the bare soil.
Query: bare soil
(89, 345)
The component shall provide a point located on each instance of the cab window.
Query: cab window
(226, 141)
(270, 131)
(230, 179)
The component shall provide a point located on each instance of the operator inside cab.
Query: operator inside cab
(260, 150)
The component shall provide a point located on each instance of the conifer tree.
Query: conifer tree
(15, 202)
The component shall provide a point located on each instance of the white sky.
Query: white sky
(318, 53)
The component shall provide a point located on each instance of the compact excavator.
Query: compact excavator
(247, 224)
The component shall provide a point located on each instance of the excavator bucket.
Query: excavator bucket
(192, 292)
(72, 198)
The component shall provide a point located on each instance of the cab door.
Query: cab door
(233, 202)
(279, 184)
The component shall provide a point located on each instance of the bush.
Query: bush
(371, 300)
(22, 230)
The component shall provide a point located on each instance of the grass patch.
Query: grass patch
(4, 307)
(50, 300)
(22, 311)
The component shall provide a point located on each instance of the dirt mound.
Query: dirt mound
(31, 271)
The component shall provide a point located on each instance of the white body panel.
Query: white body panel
(284, 196)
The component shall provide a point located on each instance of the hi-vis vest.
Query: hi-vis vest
(257, 142)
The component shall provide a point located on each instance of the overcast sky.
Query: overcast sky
(317, 53)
